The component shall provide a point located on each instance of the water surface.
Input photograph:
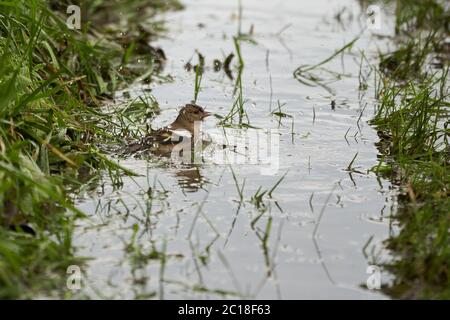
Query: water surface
(182, 232)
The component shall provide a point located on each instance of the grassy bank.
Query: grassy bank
(412, 120)
(53, 81)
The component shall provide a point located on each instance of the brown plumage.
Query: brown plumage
(162, 141)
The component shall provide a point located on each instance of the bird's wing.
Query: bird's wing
(161, 136)
(166, 136)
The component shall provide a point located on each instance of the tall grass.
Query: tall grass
(412, 121)
(52, 83)
(238, 107)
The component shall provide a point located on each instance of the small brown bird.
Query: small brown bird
(162, 141)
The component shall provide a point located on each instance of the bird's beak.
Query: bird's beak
(206, 114)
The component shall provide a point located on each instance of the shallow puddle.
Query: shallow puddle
(185, 232)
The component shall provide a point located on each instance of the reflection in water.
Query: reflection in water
(190, 179)
(314, 237)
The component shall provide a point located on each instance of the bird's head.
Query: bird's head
(191, 113)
